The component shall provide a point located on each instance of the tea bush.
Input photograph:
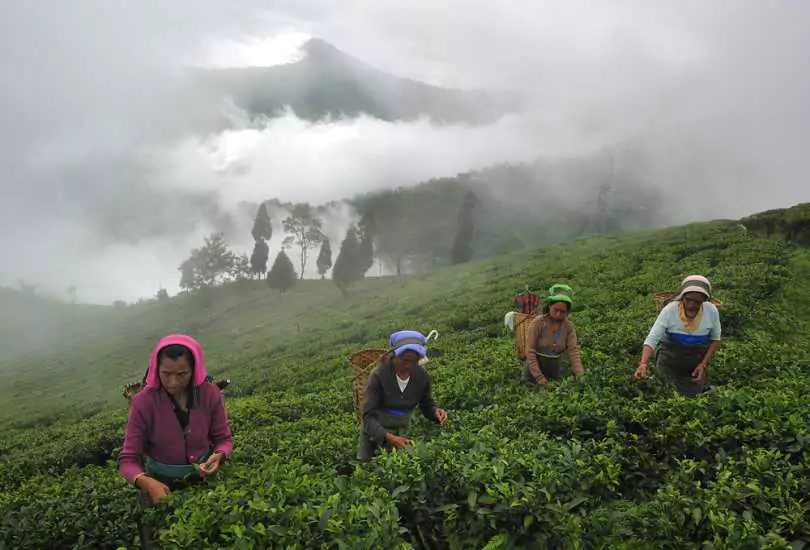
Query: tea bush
(600, 462)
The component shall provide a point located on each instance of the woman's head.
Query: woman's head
(558, 302)
(169, 349)
(408, 349)
(557, 310)
(175, 364)
(695, 290)
(406, 361)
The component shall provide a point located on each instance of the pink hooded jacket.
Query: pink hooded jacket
(153, 429)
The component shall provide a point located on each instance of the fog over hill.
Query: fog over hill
(328, 83)
(117, 159)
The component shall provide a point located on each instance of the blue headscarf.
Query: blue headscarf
(408, 340)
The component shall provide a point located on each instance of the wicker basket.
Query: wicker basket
(663, 298)
(522, 323)
(361, 364)
(130, 390)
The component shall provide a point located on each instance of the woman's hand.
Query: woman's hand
(397, 441)
(152, 487)
(700, 371)
(640, 371)
(441, 416)
(211, 466)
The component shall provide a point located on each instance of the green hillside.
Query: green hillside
(602, 462)
(519, 207)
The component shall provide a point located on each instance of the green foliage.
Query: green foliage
(518, 207)
(348, 265)
(792, 223)
(304, 230)
(282, 276)
(414, 229)
(241, 268)
(414, 226)
(462, 245)
(601, 462)
(324, 261)
(259, 257)
(367, 228)
(207, 266)
(262, 228)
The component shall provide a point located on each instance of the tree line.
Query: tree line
(394, 242)
(439, 222)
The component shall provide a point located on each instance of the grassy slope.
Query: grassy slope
(29, 322)
(631, 460)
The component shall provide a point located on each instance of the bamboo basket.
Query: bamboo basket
(663, 298)
(130, 390)
(522, 322)
(361, 364)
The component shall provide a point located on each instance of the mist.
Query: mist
(113, 170)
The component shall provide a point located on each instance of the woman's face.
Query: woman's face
(175, 374)
(692, 302)
(406, 361)
(558, 311)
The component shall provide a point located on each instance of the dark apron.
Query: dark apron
(675, 363)
(550, 366)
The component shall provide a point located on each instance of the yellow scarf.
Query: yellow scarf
(690, 325)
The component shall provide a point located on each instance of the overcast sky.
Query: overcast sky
(102, 186)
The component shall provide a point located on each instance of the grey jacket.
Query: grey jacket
(386, 408)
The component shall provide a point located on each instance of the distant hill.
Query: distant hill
(792, 224)
(330, 83)
(520, 206)
(30, 322)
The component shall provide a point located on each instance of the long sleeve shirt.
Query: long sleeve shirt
(154, 430)
(669, 325)
(387, 407)
(542, 340)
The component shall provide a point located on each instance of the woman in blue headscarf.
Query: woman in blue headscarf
(395, 388)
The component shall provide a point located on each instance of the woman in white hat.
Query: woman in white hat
(687, 331)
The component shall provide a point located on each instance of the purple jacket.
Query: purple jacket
(153, 429)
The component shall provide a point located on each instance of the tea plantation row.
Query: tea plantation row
(601, 462)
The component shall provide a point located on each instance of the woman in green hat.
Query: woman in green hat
(551, 335)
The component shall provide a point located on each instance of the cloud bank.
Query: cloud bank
(110, 174)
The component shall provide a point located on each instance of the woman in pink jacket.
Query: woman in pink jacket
(177, 432)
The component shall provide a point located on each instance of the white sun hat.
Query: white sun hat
(696, 283)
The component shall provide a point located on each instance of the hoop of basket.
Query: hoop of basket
(522, 323)
(130, 390)
(663, 298)
(361, 363)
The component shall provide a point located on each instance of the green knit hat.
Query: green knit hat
(560, 293)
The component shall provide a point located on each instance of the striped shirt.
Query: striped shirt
(669, 325)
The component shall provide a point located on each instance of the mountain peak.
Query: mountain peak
(330, 82)
(318, 47)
